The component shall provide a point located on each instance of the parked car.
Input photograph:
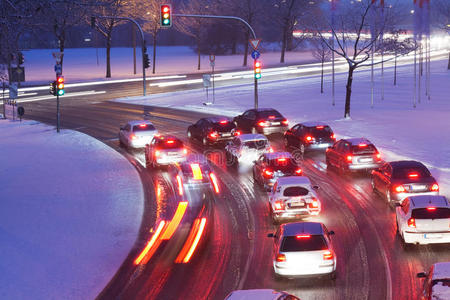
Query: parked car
(262, 120)
(260, 294)
(400, 179)
(424, 220)
(303, 249)
(270, 166)
(293, 197)
(437, 282)
(353, 154)
(213, 130)
(247, 148)
(164, 150)
(137, 134)
(309, 136)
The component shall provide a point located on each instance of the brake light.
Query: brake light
(280, 257)
(431, 208)
(378, 156)
(263, 123)
(400, 189)
(279, 205)
(308, 138)
(328, 255)
(213, 135)
(362, 145)
(196, 172)
(413, 175)
(412, 223)
(185, 151)
(268, 173)
(333, 136)
(303, 236)
(270, 150)
(315, 203)
(435, 187)
(285, 122)
(237, 132)
(180, 185)
(281, 159)
(298, 171)
(143, 125)
(349, 158)
(157, 153)
(320, 127)
(133, 136)
(271, 117)
(214, 182)
(223, 122)
(170, 141)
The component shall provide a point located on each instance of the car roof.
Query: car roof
(217, 119)
(260, 294)
(293, 180)
(276, 155)
(167, 137)
(406, 164)
(357, 141)
(422, 201)
(139, 122)
(265, 109)
(313, 124)
(441, 270)
(251, 137)
(292, 229)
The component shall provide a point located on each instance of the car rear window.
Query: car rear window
(403, 173)
(368, 149)
(310, 243)
(170, 144)
(320, 131)
(265, 114)
(284, 165)
(295, 191)
(227, 127)
(427, 213)
(147, 127)
(260, 144)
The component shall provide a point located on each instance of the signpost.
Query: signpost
(255, 55)
(212, 63)
(206, 84)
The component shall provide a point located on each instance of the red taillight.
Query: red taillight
(298, 171)
(279, 205)
(133, 136)
(223, 122)
(281, 159)
(237, 132)
(214, 182)
(328, 255)
(320, 127)
(378, 156)
(170, 141)
(271, 150)
(285, 122)
(303, 236)
(213, 135)
(308, 138)
(399, 189)
(143, 125)
(268, 173)
(362, 145)
(333, 136)
(180, 185)
(431, 208)
(413, 175)
(435, 187)
(281, 257)
(349, 158)
(271, 117)
(157, 153)
(315, 203)
(185, 151)
(412, 223)
(263, 123)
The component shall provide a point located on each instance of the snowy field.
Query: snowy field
(70, 212)
(81, 64)
(393, 125)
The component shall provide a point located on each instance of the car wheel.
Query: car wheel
(374, 189)
(230, 159)
(333, 275)
(254, 131)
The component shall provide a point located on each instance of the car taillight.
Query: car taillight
(223, 122)
(143, 125)
(157, 153)
(215, 182)
(333, 136)
(133, 136)
(413, 175)
(285, 122)
(431, 208)
(328, 255)
(185, 151)
(268, 173)
(280, 257)
(237, 132)
(308, 138)
(298, 171)
(349, 158)
(412, 223)
(281, 159)
(378, 156)
(435, 187)
(279, 205)
(314, 204)
(271, 150)
(263, 123)
(170, 142)
(213, 135)
(303, 236)
(320, 127)
(399, 189)
(362, 145)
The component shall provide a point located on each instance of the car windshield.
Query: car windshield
(269, 114)
(320, 131)
(258, 144)
(431, 213)
(283, 164)
(169, 144)
(366, 149)
(143, 127)
(295, 191)
(405, 172)
(303, 243)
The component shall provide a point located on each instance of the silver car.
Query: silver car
(247, 148)
(137, 134)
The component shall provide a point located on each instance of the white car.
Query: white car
(137, 134)
(247, 148)
(437, 282)
(260, 294)
(303, 249)
(424, 219)
(293, 197)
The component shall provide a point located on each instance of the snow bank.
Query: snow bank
(393, 125)
(70, 212)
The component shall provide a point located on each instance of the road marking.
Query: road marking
(40, 98)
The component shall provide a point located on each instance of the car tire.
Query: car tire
(286, 144)
(230, 159)
(333, 275)
(374, 189)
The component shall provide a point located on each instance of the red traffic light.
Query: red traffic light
(257, 64)
(60, 79)
(165, 8)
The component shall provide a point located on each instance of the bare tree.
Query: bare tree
(322, 53)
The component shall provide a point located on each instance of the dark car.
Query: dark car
(270, 166)
(353, 155)
(261, 120)
(164, 150)
(309, 136)
(400, 179)
(213, 130)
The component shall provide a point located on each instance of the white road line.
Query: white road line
(40, 98)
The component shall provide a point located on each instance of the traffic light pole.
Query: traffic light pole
(57, 112)
(227, 18)
(144, 48)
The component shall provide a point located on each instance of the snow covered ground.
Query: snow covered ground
(70, 212)
(393, 125)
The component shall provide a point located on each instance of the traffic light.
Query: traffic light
(60, 85)
(53, 88)
(257, 68)
(20, 58)
(166, 16)
(146, 61)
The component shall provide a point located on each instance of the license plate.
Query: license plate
(365, 160)
(297, 204)
(432, 235)
(275, 123)
(172, 153)
(226, 134)
(323, 146)
(419, 187)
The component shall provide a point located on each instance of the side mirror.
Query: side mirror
(397, 204)
(316, 187)
(421, 275)
(331, 232)
(271, 235)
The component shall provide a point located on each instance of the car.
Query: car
(309, 136)
(164, 150)
(303, 249)
(260, 294)
(270, 166)
(262, 120)
(213, 130)
(397, 180)
(423, 220)
(293, 197)
(137, 134)
(437, 282)
(355, 154)
(247, 147)
(194, 174)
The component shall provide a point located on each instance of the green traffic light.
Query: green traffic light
(257, 76)
(166, 22)
(60, 92)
